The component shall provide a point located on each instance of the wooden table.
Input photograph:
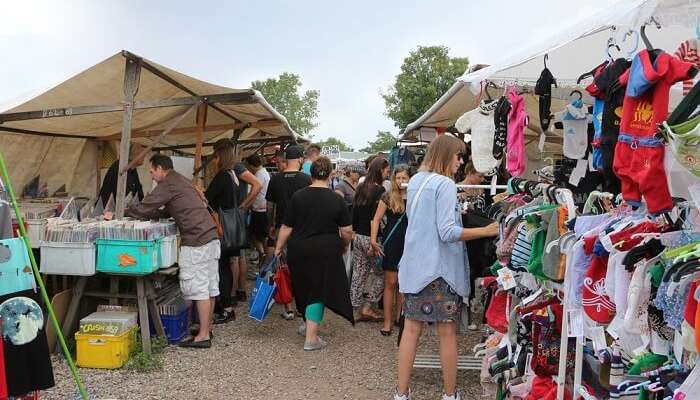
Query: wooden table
(145, 296)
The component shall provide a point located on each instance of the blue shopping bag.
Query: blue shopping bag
(262, 297)
(15, 269)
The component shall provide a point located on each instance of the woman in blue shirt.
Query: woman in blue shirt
(434, 268)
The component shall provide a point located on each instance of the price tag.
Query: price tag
(695, 194)
(575, 325)
(543, 139)
(598, 337)
(506, 278)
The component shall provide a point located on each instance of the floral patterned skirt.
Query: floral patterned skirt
(437, 302)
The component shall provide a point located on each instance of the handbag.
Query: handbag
(233, 224)
(15, 270)
(413, 208)
(380, 259)
(262, 297)
(283, 280)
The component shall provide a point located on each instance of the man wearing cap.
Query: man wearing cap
(280, 190)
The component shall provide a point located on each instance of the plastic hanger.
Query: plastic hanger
(634, 33)
(546, 57)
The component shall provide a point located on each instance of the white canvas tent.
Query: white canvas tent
(578, 47)
(59, 133)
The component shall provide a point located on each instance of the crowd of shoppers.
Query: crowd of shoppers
(374, 239)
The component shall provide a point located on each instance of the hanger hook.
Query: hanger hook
(580, 95)
(546, 57)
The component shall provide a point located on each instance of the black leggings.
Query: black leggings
(225, 299)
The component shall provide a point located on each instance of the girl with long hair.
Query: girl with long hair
(366, 286)
(434, 268)
(393, 205)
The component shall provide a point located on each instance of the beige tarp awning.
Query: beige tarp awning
(56, 134)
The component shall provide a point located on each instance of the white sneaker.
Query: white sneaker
(318, 345)
(302, 329)
(288, 315)
(398, 396)
(455, 396)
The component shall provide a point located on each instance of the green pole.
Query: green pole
(37, 275)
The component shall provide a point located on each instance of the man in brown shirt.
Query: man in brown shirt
(175, 196)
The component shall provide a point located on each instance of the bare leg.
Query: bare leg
(204, 310)
(390, 284)
(407, 352)
(448, 355)
(399, 304)
(311, 331)
(242, 273)
(235, 271)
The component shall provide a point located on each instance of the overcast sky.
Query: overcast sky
(350, 51)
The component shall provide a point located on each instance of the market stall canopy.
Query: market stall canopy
(59, 134)
(578, 47)
(89, 105)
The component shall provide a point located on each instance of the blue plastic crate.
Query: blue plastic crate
(128, 257)
(176, 326)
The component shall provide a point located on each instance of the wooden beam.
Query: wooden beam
(201, 123)
(268, 123)
(162, 75)
(45, 134)
(174, 123)
(132, 77)
(228, 98)
(268, 141)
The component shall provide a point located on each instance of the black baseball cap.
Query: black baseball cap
(293, 152)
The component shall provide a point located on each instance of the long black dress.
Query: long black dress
(393, 248)
(315, 250)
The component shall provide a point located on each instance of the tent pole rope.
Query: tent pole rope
(37, 275)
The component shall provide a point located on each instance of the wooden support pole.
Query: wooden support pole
(173, 125)
(98, 167)
(73, 308)
(201, 124)
(143, 315)
(132, 77)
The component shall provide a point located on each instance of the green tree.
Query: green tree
(283, 94)
(426, 74)
(331, 141)
(384, 142)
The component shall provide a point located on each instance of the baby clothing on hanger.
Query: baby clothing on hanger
(480, 121)
(639, 155)
(516, 156)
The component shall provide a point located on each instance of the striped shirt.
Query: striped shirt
(688, 52)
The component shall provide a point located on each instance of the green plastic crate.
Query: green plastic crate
(128, 257)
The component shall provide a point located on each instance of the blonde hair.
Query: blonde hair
(440, 154)
(396, 204)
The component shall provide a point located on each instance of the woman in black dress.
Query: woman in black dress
(222, 194)
(393, 205)
(318, 227)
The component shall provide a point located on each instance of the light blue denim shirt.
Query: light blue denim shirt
(432, 247)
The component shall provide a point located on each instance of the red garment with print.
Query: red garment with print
(596, 303)
(653, 80)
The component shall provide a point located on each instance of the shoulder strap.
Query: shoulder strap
(420, 191)
(237, 185)
(396, 225)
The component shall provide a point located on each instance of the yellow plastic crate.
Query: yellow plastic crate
(104, 351)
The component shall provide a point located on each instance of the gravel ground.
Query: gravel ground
(251, 360)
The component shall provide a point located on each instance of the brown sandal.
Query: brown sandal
(369, 317)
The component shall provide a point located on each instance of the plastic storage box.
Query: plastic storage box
(104, 351)
(128, 257)
(68, 258)
(168, 251)
(108, 323)
(35, 231)
(176, 326)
